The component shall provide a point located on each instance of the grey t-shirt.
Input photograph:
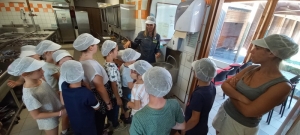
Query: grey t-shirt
(91, 69)
(44, 99)
(125, 75)
(50, 69)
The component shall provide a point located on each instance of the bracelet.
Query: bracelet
(59, 113)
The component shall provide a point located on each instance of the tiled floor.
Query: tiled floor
(28, 126)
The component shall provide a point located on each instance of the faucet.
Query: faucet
(12, 24)
(173, 59)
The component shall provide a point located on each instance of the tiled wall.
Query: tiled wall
(185, 76)
(10, 12)
(140, 14)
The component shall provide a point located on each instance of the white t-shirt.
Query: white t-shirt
(139, 93)
(50, 69)
(125, 75)
(44, 99)
(91, 69)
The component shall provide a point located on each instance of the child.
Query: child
(59, 57)
(80, 102)
(202, 99)
(94, 76)
(139, 97)
(42, 102)
(109, 51)
(51, 72)
(160, 115)
(26, 51)
(129, 56)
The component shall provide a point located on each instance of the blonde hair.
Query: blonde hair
(153, 34)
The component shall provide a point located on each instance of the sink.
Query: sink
(165, 65)
(173, 70)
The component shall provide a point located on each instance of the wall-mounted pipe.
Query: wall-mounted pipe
(31, 15)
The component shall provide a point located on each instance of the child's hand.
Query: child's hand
(63, 112)
(233, 81)
(109, 106)
(12, 83)
(119, 102)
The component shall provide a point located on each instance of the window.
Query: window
(236, 27)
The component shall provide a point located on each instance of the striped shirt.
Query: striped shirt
(138, 93)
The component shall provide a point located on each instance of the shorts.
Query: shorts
(125, 98)
(226, 125)
(48, 123)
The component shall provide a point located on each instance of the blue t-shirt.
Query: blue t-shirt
(201, 101)
(78, 103)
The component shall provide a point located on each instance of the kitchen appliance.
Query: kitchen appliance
(65, 25)
(117, 18)
(189, 15)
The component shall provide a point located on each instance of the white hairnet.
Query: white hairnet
(150, 20)
(120, 53)
(130, 55)
(22, 65)
(205, 69)
(281, 46)
(157, 81)
(72, 71)
(140, 66)
(27, 50)
(84, 41)
(107, 46)
(45, 46)
(59, 54)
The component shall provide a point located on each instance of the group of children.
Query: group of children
(88, 92)
(84, 94)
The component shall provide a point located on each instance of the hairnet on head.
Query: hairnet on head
(150, 20)
(84, 41)
(72, 71)
(130, 55)
(23, 65)
(140, 66)
(281, 46)
(59, 54)
(107, 46)
(27, 50)
(205, 69)
(157, 81)
(45, 46)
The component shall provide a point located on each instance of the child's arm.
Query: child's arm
(56, 75)
(130, 85)
(114, 87)
(134, 105)
(36, 114)
(13, 84)
(61, 98)
(98, 82)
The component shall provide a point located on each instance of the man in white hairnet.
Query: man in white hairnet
(160, 115)
(202, 99)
